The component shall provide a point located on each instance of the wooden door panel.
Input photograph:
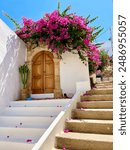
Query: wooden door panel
(37, 84)
(43, 73)
(49, 69)
(37, 70)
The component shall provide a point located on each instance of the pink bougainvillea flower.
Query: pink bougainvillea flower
(62, 33)
(29, 140)
(67, 130)
(86, 94)
(64, 148)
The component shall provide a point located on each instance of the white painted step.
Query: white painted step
(46, 95)
(32, 111)
(4, 145)
(20, 131)
(40, 103)
(27, 122)
(21, 139)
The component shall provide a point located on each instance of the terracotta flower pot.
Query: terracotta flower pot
(24, 93)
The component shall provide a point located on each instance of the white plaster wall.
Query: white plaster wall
(12, 55)
(73, 72)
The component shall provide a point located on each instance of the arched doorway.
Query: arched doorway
(43, 73)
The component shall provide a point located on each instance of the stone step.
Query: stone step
(57, 149)
(104, 86)
(101, 114)
(84, 141)
(90, 126)
(95, 104)
(106, 97)
(27, 122)
(6, 145)
(101, 91)
(32, 111)
(105, 83)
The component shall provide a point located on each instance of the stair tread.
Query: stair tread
(98, 95)
(83, 109)
(96, 101)
(86, 136)
(32, 111)
(102, 89)
(32, 108)
(6, 145)
(40, 103)
(20, 130)
(27, 122)
(19, 139)
(90, 121)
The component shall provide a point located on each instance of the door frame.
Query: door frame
(56, 60)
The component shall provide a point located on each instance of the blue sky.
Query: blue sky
(35, 9)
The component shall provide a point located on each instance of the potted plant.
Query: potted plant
(24, 72)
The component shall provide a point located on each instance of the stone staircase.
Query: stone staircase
(91, 125)
(22, 123)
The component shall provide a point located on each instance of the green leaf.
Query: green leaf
(90, 21)
(94, 36)
(59, 6)
(65, 11)
(15, 23)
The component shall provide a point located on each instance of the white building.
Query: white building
(48, 74)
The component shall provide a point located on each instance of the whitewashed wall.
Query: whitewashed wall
(72, 70)
(12, 55)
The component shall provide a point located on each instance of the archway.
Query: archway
(31, 55)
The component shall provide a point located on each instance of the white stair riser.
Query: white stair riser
(22, 139)
(21, 131)
(45, 103)
(15, 146)
(32, 111)
(29, 122)
(47, 95)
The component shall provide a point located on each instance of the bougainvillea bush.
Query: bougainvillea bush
(105, 60)
(63, 32)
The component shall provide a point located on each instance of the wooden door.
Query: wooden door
(43, 73)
